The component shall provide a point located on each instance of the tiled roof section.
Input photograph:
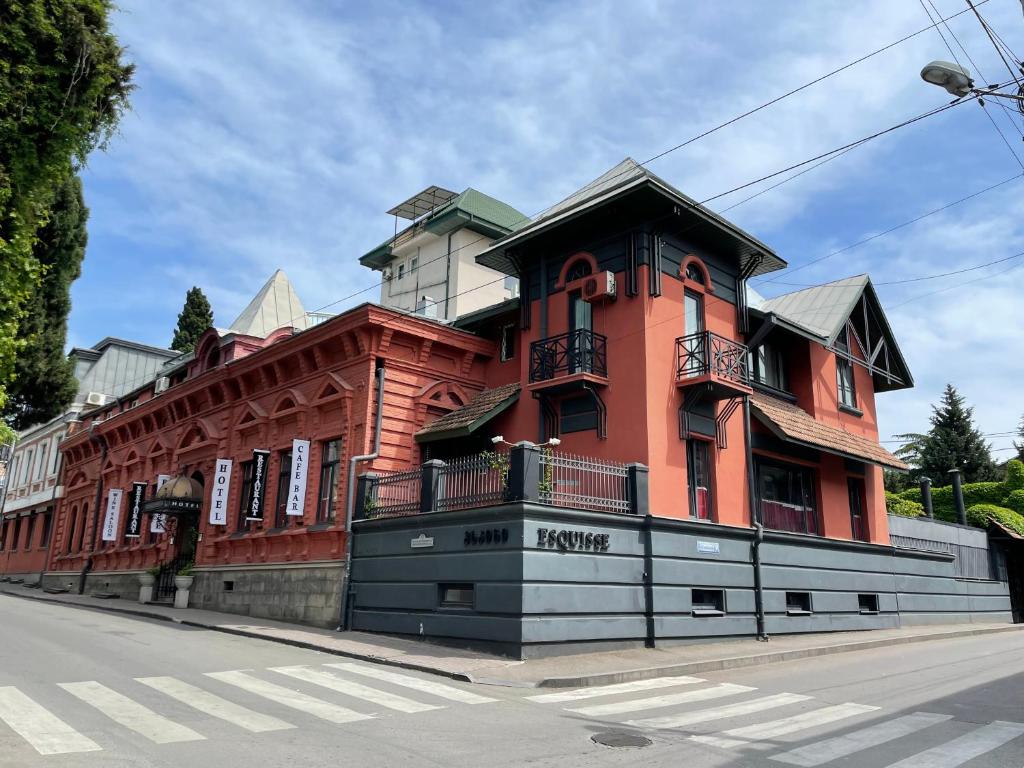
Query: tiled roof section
(483, 406)
(484, 207)
(789, 422)
(822, 309)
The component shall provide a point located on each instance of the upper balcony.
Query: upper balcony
(705, 358)
(569, 361)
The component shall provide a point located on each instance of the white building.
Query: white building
(429, 267)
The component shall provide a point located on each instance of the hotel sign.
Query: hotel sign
(158, 522)
(219, 494)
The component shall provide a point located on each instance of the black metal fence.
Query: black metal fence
(525, 473)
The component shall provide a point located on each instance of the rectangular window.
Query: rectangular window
(44, 537)
(248, 478)
(81, 527)
(16, 538)
(3, 535)
(787, 497)
(401, 270)
(25, 470)
(508, 342)
(512, 286)
(284, 476)
(578, 414)
(768, 367)
(844, 382)
(42, 461)
(798, 603)
(330, 460)
(455, 595)
(698, 475)
(707, 602)
(56, 452)
(71, 532)
(858, 525)
(29, 530)
(414, 262)
(868, 603)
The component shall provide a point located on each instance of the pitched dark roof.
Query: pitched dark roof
(793, 424)
(463, 421)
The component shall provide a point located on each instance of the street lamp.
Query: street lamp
(954, 78)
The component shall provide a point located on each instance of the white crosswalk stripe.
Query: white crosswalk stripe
(744, 735)
(821, 752)
(687, 697)
(48, 734)
(214, 705)
(425, 686)
(289, 698)
(357, 690)
(719, 713)
(131, 714)
(967, 747)
(610, 690)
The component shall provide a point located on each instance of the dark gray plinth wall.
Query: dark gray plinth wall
(531, 580)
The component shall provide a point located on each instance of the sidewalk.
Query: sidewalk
(557, 672)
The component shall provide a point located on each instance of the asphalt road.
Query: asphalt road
(84, 688)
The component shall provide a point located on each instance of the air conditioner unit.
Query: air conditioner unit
(386, 273)
(95, 398)
(599, 287)
(161, 385)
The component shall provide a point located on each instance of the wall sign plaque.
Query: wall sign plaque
(572, 541)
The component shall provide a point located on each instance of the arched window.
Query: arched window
(579, 268)
(212, 358)
(693, 272)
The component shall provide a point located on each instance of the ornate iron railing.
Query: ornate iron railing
(579, 351)
(581, 482)
(165, 577)
(705, 353)
(473, 481)
(394, 494)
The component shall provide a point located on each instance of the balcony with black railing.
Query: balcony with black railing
(720, 363)
(569, 359)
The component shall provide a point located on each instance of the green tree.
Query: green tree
(910, 453)
(44, 383)
(1020, 446)
(955, 443)
(63, 88)
(196, 316)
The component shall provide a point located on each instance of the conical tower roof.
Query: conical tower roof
(275, 306)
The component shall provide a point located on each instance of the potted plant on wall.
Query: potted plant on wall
(148, 577)
(183, 579)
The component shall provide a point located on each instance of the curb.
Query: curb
(754, 660)
(581, 681)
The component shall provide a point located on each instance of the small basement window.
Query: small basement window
(707, 602)
(798, 603)
(229, 586)
(868, 603)
(455, 595)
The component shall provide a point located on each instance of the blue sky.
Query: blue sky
(276, 134)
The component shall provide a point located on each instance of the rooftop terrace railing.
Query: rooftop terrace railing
(525, 473)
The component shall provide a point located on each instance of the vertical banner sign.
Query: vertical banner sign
(219, 496)
(297, 489)
(259, 483)
(135, 510)
(158, 523)
(110, 519)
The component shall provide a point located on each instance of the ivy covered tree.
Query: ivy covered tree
(63, 88)
(196, 316)
(955, 443)
(44, 384)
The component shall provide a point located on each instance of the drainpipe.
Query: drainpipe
(346, 590)
(447, 274)
(87, 566)
(755, 547)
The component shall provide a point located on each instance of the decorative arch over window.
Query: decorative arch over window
(695, 274)
(331, 387)
(194, 435)
(576, 266)
(77, 479)
(289, 400)
(250, 414)
(438, 399)
(208, 352)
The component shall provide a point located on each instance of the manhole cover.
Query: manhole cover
(620, 739)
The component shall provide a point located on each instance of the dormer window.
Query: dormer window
(844, 372)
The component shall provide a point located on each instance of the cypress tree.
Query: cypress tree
(195, 317)
(955, 443)
(1020, 446)
(44, 384)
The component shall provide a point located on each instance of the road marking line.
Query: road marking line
(426, 686)
(744, 735)
(131, 714)
(967, 747)
(47, 733)
(719, 713)
(214, 705)
(610, 690)
(715, 692)
(294, 699)
(842, 746)
(358, 690)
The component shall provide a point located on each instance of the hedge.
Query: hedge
(895, 505)
(1015, 501)
(980, 515)
(1015, 474)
